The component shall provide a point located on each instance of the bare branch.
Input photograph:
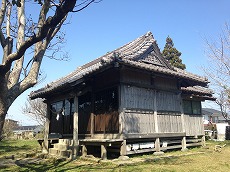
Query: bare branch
(2, 16)
(2, 12)
(8, 19)
(83, 6)
(36, 36)
(36, 110)
(50, 23)
(218, 69)
(15, 73)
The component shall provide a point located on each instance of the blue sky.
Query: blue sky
(107, 25)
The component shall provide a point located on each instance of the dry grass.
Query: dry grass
(196, 159)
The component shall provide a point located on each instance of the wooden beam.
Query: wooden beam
(45, 146)
(92, 124)
(75, 129)
(103, 152)
(121, 121)
(92, 115)
(140, 151)
(152, 135)
(182, 114)
(157, 145)
(183, 144)
(155, 112)
(120, 108)
(203, 141)
(123, 148)
(84, 150)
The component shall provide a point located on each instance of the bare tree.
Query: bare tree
(218, 69)
(18, 34)
(36, 110)
(8, 127)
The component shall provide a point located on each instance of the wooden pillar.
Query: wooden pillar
(183, 144)
(75, 129)
(92, 115)
(121, 121)
(121, 109)
(92, 124)
(84, 150)
(182, 114)
(157, 141)
(183, 141)
(103, 152)
(123, 148)
(45, 146)
(203, 141)
(157, 145)
(155, 113)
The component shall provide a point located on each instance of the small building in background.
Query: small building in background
(9, 126)
(27, 132)
(214, 124)
(213, 116)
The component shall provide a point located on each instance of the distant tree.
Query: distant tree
(8, 128)
(24, 39)
(36, 110)
(223, 102)
(171, 54)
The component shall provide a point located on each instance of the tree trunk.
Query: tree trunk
(3, 103)
(10, 85)
(3, 112)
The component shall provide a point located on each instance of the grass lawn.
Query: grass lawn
(17, 147)
(196, 159)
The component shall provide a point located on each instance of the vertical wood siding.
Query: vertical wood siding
(137, 98)
(194, 125)
(169, 123)
(143, 122)
(142, 98)
(106, 123)
(138, 122)
(135, 77)
(167, 101)
(165, 83)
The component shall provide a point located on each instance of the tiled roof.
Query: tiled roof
(141, 53)
(197, 89)
(176, 72)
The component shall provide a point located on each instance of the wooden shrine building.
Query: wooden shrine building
(130, 100)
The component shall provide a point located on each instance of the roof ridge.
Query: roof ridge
(189, 73)
(127, 54)
(103, 57)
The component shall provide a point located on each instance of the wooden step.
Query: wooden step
(62, 147)
(53, 151)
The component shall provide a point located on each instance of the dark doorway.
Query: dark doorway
(84, 112)
(106, 118)
(61, 117)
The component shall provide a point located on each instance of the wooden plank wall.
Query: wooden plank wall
(143, 98)
(137, 98)
(165, 83)
(194, 125)
(137, 106)
(138, 122)
(138, 109)
(169, 123)
(143, 122)
(139, 77)
(167, 101)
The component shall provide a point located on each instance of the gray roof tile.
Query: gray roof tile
(137, 53)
